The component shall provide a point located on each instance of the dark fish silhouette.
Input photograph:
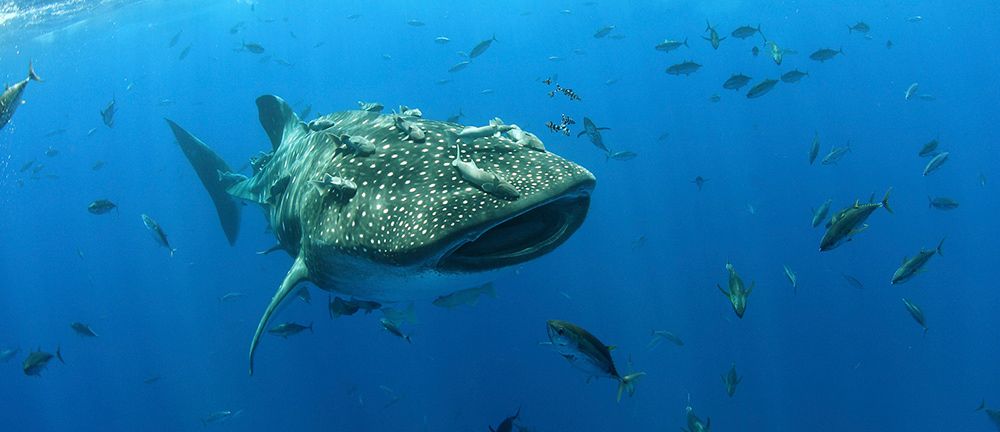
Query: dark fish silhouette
(289, 329)
(917, 314)
(825, 54)
(83, 329)
(699, 181)
(736, 81)
(173, 40)
(746, 31)
(38, 360)
(713, 36)
(683, 68)
(481, 47)
(102, 206)
(603, 31)
(252, 47)
(738, 292)
(793, 76)
(857, 284)
(27, 165)
(507, 425)
(594, 134)
(850, 221)
(185, 52)
(860, 27)
(108, 115)
(913, 266)
(761, 88)
(731, 380)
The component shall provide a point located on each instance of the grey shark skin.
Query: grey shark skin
(10, 99)
(415, 229)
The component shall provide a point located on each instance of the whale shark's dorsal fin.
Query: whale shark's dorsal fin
(210, 167)
(298, 273)
(277, 118)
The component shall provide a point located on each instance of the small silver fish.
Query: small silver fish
(465, 297)
(623, 155)
(792, 278)
(230, 296)
(157, 233)
(917, 314)
(289, 329)
(910, 92)
(819, 216)
(857, 284)
(585, 352)
(658, 336)
(394, 329)
(218, 416)
(731, 381)
(836, 154)
(82, 329)
(935, 163)
(394, 315)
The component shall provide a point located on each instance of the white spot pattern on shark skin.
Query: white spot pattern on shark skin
(411, 206)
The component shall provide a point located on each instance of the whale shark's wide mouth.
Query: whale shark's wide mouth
(521, 238)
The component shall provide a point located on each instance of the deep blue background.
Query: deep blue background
(832, 358)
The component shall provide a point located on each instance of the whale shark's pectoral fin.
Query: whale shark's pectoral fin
(298, 273)
(278, 119)
(213, 172)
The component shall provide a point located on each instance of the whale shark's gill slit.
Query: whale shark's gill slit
(519, 239)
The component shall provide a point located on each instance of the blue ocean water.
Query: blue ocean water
(829, 358)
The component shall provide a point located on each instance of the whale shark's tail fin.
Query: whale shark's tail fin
(210, 167)
(277, 118)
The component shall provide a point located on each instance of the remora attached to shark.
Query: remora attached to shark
(414, 229)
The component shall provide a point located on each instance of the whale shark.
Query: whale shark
(414, 228)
